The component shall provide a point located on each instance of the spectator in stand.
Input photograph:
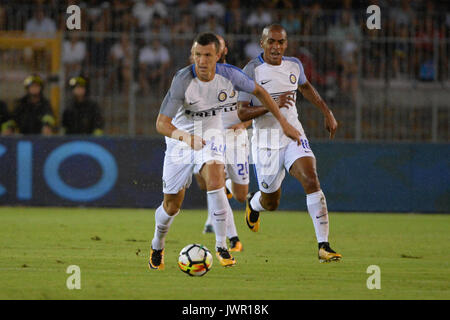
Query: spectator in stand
(121, 58)
(82, 116)
(40, 25)
(185, 25)
(154, 62)
(259, 18)
(403, 15)
(33, 113)
(121, 17)
(73, 54)
(98, 46)
(144, 10)
(6, 124)
(291, 23)
(209, 8)
(212, 25)
(234, 17)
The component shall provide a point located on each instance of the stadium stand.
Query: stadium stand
(388, 84)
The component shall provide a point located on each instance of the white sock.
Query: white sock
(162, 225)
(256, 203)
(231, 227)
(218, 207)
(229, 185)
(208, 219)
(317, 208)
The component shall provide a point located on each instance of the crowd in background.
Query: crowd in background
(147, 40)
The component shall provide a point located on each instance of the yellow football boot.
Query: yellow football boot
(235, 245)
(156, 261)
(225, 258)
(251, 216)
(326, 254)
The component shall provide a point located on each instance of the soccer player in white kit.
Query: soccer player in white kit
(236, 166)
(190, 118)
(272, 152)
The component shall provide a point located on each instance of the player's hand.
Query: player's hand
(290, 131)
(331, 124)
(238, 128)
(195, 142)
(286, 100)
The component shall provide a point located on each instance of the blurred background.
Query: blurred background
(388, 88)
(382, 85)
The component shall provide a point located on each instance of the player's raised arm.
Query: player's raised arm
(311, 94)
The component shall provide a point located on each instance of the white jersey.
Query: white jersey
(229, 115)
(276, 79)
(190, 100)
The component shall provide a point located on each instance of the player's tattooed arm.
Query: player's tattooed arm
(165, 127)
(311, 94)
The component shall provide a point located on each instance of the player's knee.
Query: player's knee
(214, 185)
(271, 204)
(311, 183)
(172, 207)
(240, 196)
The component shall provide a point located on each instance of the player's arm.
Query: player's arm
(165, 127)
(172, 102)
(273, 107)
(311, 94)
(247, 112)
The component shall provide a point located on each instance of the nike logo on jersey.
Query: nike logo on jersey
(191, 103)
(265, 81)
(317, 217)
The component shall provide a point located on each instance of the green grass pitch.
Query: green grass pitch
(280, 262)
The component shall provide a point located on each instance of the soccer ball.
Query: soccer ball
(195, 260)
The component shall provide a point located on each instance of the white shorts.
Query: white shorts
(237, 165)
(180, 162)
(270, 164)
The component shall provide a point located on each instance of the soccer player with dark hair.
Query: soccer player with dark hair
(191, 120)
(279, 75)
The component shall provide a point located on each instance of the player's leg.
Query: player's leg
(304, 170)
(177, 176)
(208, 228)
(164, 216)
(270, 174)
(214, 175)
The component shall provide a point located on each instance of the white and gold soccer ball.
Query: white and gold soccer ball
(195, 260)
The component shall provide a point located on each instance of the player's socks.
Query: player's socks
(255, 202)
(218, 208)
(208, 225)
(162, 225)
(231, 227)
(317, 208)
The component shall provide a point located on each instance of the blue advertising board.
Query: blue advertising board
(126, 172)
